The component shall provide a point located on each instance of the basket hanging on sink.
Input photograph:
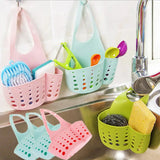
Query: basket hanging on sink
(69, 139)
(122, 137)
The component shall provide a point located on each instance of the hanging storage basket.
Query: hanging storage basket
(90, 79)
(69, 139)
(33, 143)
(122, 137)
(33, 94)
(41, 137)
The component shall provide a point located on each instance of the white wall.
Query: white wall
(116, 21)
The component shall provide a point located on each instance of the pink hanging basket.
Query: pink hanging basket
(67, 140)
(33, 94)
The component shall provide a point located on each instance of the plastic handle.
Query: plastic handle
(14, 31)
(18, 134)
(79, 16)
(30, 124)
(63, 123)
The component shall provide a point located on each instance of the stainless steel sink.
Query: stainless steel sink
(88, 111)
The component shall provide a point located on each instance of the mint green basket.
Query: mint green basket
(110, 65)
(91, 78)
(122, 137)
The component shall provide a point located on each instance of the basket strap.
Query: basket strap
(83, 4)
(31, 126)
(18, 134)
(62, 122)
(33, 31)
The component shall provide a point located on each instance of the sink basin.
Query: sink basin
(87, 112)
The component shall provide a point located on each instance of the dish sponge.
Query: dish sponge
(141, 118)
(47, 67)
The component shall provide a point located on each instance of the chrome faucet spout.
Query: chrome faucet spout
(140, 62)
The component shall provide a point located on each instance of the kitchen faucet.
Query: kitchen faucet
(140, 62)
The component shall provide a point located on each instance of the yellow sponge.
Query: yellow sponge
(141, 118)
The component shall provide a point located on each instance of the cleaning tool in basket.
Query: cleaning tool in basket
(122, 49)
(69, 139)
(47, 67)
(95, 59)
(66, 64)
(112, 52)
(15, 74)
(25, 146)
(41, 137)
(141, 118)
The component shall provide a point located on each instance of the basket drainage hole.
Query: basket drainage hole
(11, 97)
(126, 145)
(13, 101)
(29, 155)
(30, 103)
(14, 105)
(49, 90)
(84, 84)
(66, 147)
(37, 100)
(75, 84)
(107, 74)
(41, 151)
(63, 153)
(76, 88)
(23, 105)
(25, 152)
(110, 143)
(117, 144)
(45, 153)
(59, 151)
(48, 95)
(91, 86)
(91, 82)
(105, 79)
(105, 141)
(132, 146)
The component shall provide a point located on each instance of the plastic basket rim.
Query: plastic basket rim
(118, 127)
(91, 66)
(37, 79)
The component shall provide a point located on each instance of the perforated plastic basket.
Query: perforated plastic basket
(110, 65)
(85, 80)
(33, 143)
(41, 137)
(34, 93)
(91, 78)
(25, 146)
(69, 139)
(122, 137)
